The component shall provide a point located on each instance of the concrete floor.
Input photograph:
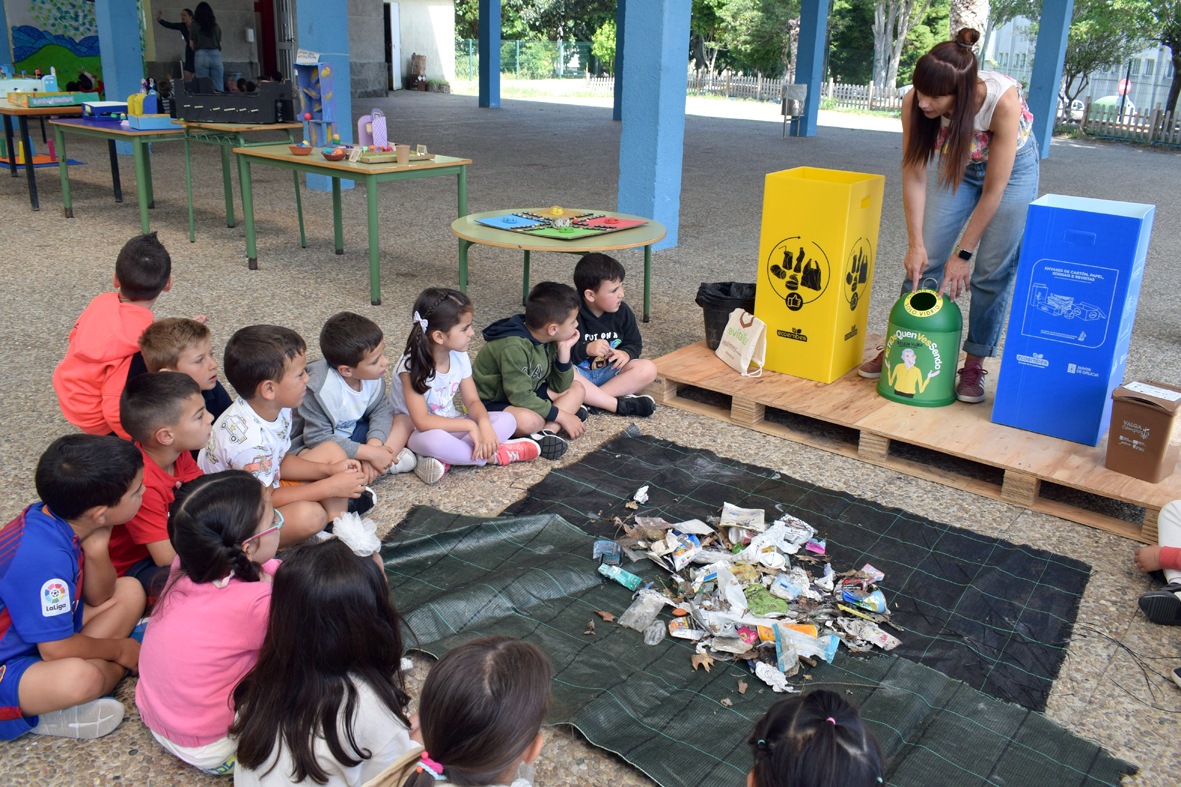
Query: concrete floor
(533, 154)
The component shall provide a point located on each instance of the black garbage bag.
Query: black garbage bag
(717, 300)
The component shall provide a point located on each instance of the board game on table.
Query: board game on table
(560, 223)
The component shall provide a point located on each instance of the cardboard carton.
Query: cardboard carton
(1141, 442)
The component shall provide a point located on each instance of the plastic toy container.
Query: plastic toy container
(1142, 442)
(922, 348)
(816, 255)
(1074, 302)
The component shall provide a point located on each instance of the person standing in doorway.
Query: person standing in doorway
(186, 21)
(205, 41)
(968, 238)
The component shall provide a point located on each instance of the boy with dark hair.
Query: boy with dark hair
(266, 365)
(524, 368)
(90, 378)
(607, 355)
(178, 344)
(348, 404)
(165, 414)
(65, 619)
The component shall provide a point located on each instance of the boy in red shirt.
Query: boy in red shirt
(91, 377)
(165, 414)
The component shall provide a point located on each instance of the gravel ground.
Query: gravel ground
(532, 154)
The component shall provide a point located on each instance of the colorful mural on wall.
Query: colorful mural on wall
(58, 33)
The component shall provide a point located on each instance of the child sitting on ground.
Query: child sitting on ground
(91, 377)
(813, 740)
(607, 355)
(348, 403)
(65, 617)
(265, 364)
(178, 344)
(329, 706)
(165, 414)
(524, 368)
(479, 718)
(207, 628)
(434, 368)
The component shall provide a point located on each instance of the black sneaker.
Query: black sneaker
(632, 404)
(583, 413)
(1163, 606)
(364, 503)
(1176, 676)
(552, 446)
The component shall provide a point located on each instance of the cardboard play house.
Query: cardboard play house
(816, 257)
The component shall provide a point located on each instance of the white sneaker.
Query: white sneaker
(430, 470)
(89, 720)
(405, 462)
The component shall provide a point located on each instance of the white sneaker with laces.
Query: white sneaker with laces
(89, 720)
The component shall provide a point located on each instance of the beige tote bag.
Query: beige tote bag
(744, 343)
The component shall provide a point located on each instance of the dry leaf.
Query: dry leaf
(590, 627)
(607, 616)
(807, 677)
(701, 660)
(632, 504)
(742, 687)
(728, 702)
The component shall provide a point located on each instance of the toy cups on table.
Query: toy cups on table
(403, 153)
(816, 256)
(922, 348)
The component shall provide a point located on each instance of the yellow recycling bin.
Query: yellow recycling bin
(819, 240)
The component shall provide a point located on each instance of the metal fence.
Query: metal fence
(530, 59)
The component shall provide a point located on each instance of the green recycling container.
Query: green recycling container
(922, 347)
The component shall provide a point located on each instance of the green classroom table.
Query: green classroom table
(230, 136)
(114, 132)
(470, 233)
(9, 111)
(280, 156)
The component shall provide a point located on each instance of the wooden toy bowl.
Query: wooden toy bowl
(334, 155)
(299, 150)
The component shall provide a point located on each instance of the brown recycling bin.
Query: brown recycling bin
(1141, 442)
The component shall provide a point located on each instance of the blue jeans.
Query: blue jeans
(947, 215)
(207, 63)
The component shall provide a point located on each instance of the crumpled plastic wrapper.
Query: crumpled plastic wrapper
(360, 535)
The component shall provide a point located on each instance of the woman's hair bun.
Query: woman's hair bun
(967, 36)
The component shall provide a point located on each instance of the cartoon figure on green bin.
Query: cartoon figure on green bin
(908, 379)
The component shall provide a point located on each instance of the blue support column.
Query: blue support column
(652, 141)
(1048, 58)
(490, 53)
(5, 46)
(122, 59)
(810, 68)
(620, 10)
(323, 26)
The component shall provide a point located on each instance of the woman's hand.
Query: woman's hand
(957, 275)
(158, 15)
(915, 264)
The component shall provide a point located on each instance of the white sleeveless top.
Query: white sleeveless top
(996, 84)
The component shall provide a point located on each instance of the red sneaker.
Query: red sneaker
(873, 369)
(971, 384)
(520, 450)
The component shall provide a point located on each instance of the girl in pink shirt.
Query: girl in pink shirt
(209, 624)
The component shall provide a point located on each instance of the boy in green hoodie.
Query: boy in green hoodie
(524, 368)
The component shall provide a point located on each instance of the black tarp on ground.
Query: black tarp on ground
(455, 578)
(993, 614)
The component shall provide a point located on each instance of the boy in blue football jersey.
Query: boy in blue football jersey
(64, 616)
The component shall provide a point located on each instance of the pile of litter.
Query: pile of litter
(745, 590)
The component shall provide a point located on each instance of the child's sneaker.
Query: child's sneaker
(520, 450)
(89, 720)
(1176, 673)
(640, 405)
(583, 413)
(407, 460)
(362, 504)
(552, 446)
(430, 470)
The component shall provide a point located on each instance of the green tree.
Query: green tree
(850, 57)
(603, 45)
(755, 28)
(706, 31)
(924, 35)
(1164, 23)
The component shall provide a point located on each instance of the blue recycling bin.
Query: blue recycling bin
(1074, 302)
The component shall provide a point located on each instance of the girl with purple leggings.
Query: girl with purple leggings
(434, 368)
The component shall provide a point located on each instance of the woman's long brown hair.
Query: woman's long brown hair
(949, 69)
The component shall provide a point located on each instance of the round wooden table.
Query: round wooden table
(470, 232)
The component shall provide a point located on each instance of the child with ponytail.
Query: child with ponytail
(813, 740)
(434, 367)
(326, 702)
(209, 624)
(479, 718)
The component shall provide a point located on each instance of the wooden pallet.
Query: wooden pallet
(960, 430)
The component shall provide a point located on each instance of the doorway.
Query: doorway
(393, 45)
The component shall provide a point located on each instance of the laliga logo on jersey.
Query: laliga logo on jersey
(55, 598)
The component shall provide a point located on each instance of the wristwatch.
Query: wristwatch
(965, 255)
